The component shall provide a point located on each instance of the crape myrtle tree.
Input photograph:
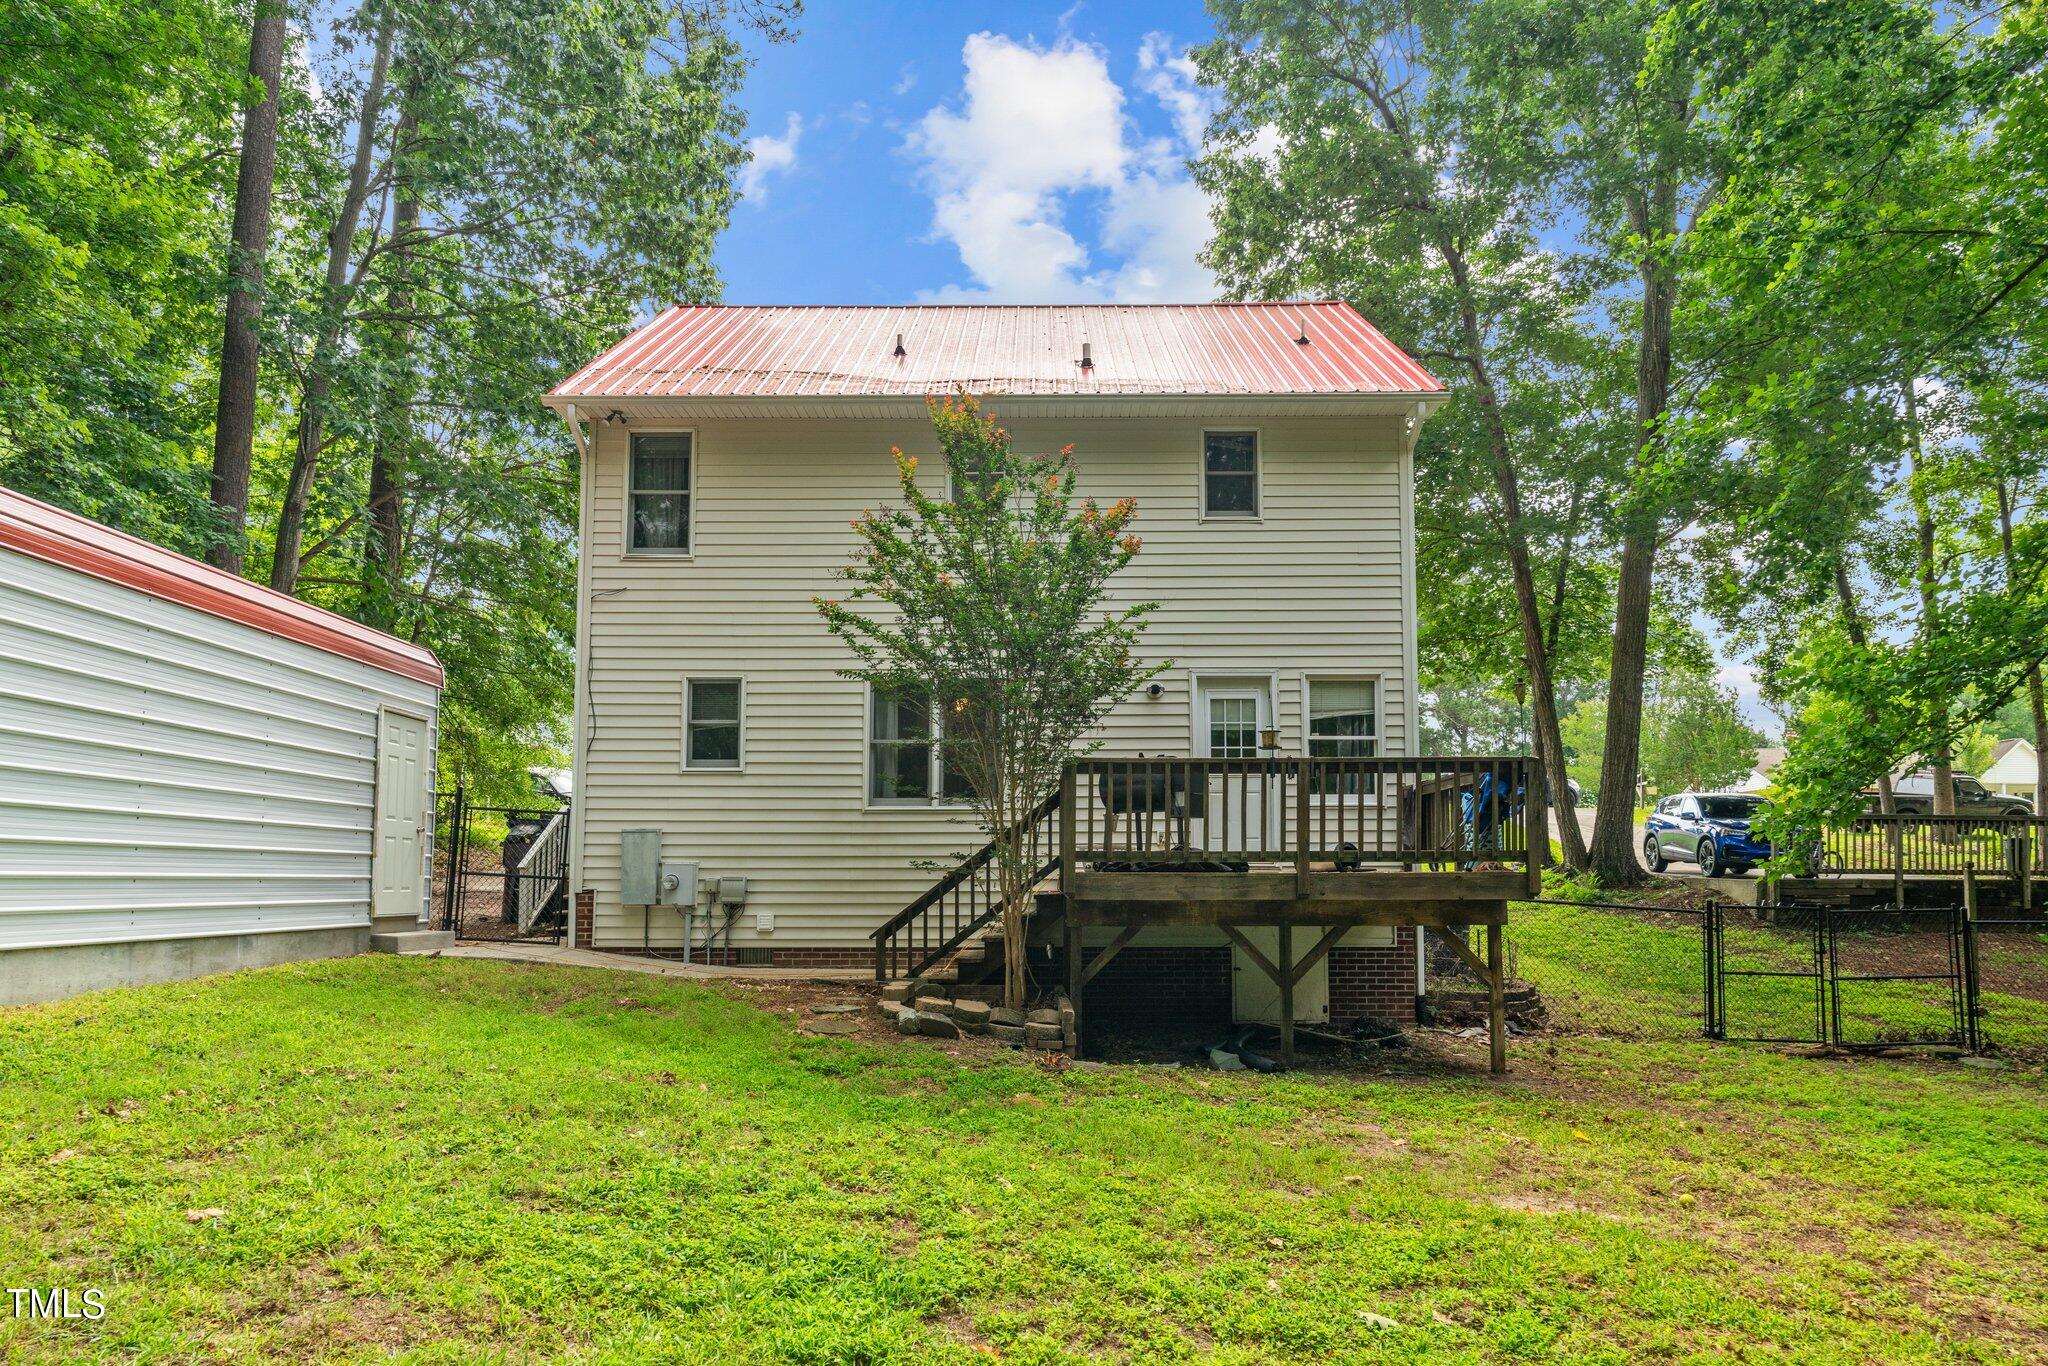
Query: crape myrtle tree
(993, 604)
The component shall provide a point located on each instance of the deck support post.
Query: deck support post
(1284, 963)
(1077, 976)
(1496, 1002)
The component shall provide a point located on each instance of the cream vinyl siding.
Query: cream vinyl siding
(1314, 586)
(166, 774)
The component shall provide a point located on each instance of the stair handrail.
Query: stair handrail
(932, 896)
(536, 890)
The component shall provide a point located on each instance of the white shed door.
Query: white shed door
(1255, 998)
(401, 815)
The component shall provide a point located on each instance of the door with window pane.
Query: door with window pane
(1240, 805)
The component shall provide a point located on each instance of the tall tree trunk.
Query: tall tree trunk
(1535, 652)
(1940, 761)
(384, 552)
(291, 522)
(234, 414)
(1613, 854)
(2036, 697)
(1852, 622)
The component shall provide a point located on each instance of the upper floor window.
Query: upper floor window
(711, 722)
(1230, 474)
(658, 499)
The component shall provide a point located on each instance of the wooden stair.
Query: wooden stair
(934, 933)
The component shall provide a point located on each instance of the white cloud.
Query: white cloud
(1169, 77)
(905, 79)
(1041, 182)
(770, 156)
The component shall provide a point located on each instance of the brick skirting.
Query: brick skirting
(1375, 982)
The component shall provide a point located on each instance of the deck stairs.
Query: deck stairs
(955, 926)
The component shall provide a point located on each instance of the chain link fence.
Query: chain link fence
(1881, 977)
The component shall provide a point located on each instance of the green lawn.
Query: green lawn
(458, 1159)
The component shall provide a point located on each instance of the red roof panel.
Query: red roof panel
(727, 351)
(50, 533)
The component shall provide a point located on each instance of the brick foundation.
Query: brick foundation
(1153, 988)
(1375, 982)
(586, 916)
(744, 955)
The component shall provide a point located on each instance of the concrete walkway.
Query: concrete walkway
(562, 956)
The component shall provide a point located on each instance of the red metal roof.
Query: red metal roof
(60, 537)
(837, 352)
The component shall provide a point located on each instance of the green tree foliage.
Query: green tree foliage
(117, 132)
(991, 602)
(471, 197)
(1694, 736)
(1868, 289)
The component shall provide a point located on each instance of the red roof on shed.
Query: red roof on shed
(724, 351)
(60, 537)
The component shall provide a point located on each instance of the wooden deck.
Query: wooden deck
(1322, 845)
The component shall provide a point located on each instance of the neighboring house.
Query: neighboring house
(1761, 767)
(201, 774)
(2013, 770)
(1268, 447)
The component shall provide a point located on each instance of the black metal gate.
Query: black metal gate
(1897, 976)
(1764, 983)
(1877, 977)
(505, 875)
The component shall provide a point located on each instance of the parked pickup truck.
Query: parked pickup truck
(1914, 795)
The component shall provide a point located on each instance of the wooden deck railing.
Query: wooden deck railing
(2015, 846)
(1187, 812)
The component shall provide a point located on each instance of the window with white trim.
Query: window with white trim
(1343, 723)
(711, 723)
(1230, 474)
(658, 493)
(906, 758)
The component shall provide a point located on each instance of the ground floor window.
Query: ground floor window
(1343, 723)
(711, 723)
(906, 757)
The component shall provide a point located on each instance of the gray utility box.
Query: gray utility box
(678, 884)
(640, 867)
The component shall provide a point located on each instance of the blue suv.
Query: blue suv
(1707, 828)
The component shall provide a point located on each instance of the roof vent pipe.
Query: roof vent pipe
(900, 353)
(1087, 356)
(1300, 333)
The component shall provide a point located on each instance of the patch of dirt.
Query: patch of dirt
(317, 1317)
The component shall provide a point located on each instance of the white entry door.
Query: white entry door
(398, 864)
(1239, 806)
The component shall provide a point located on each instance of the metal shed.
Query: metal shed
(196, 773)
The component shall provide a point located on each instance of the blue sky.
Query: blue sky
(1014, 152)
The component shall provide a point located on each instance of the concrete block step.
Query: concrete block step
(412, 941)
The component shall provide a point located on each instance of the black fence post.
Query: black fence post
(1973, 1034)
(457, 826)
(1710, 1013)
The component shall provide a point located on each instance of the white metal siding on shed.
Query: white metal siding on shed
(167, 773)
